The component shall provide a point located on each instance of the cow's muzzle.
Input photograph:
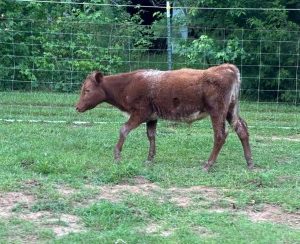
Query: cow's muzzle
(79, 109)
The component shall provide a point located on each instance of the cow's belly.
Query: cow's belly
(182, 117)
(193, 117)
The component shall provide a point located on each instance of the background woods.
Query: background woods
(52, 46)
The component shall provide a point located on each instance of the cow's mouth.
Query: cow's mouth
(80, 109)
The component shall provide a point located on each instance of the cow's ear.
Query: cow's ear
(98, 76)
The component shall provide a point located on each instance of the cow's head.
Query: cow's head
(92, 92)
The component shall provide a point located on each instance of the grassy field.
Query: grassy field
(60, 184)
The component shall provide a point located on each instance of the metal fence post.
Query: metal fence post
(168, 8)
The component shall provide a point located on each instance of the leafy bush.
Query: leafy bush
(53, 47)
(205, 51)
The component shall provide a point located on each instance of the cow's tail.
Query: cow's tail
(233, 110)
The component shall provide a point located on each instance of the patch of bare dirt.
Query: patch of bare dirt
(183, 197)
(180, 196)
(191, 196)
(209, 198)
(157, 229)
(115, 193)
(28, 184)
(9, 200)
(275, 214)
(28, 239)
(63, 224)
(60, 224)
(65, 190)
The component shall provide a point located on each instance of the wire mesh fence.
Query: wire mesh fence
(44, 60)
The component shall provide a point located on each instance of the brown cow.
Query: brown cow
(180, 95)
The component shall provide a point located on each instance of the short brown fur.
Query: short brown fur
(180, 95)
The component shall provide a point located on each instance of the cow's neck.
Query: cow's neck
(114, 86)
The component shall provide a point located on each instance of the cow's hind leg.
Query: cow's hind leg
(240, 127)
(131, 124)
(151, 132)
(218, 123)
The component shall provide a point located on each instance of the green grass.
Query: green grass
(40, 158)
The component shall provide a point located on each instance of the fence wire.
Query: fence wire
(44, 61)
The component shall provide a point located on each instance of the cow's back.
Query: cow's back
(173, 95)
(183, 94)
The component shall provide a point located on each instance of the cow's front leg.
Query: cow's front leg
(132, 123)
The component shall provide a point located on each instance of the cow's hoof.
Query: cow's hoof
(251, 167)
(206, 168)
(149, 162)
(117, 160)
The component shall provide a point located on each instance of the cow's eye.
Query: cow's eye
(87, 90)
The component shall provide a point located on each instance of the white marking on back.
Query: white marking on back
(153, 77)
(153, 74)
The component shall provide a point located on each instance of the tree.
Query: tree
(53, 46)
(265, 42)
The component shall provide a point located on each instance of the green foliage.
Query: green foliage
(49, 46)
(205, 51)
(46, 46)
(266, 43)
